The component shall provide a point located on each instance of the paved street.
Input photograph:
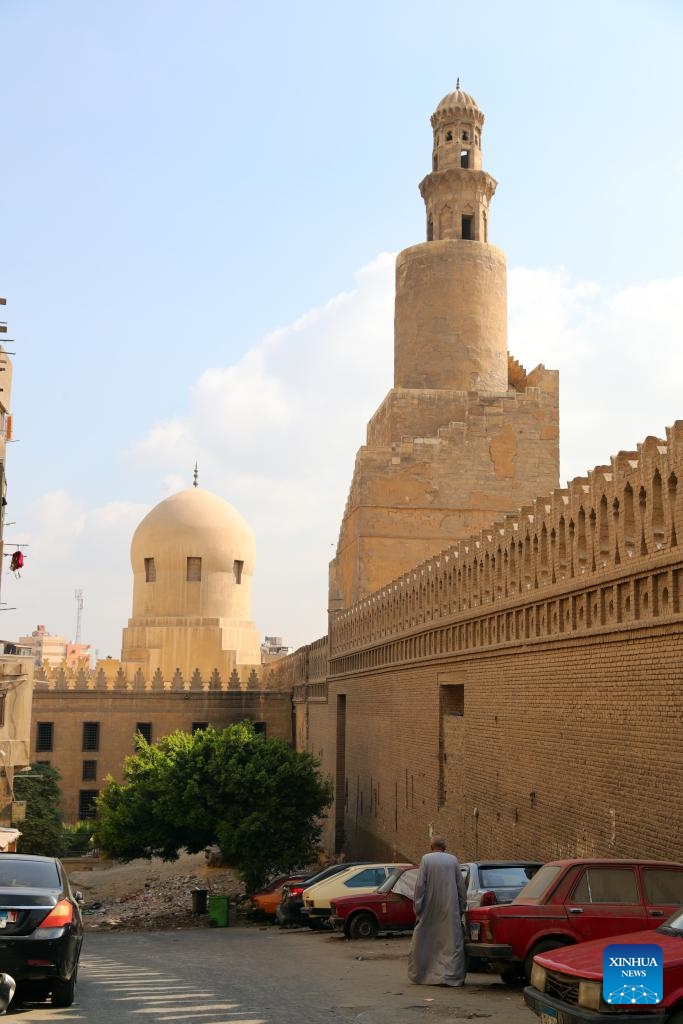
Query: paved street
(265, 976)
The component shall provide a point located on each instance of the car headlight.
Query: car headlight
(538, 975)
(590, 994)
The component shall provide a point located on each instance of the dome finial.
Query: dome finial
(457, 84)
(195, 475)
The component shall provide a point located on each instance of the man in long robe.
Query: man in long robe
(437, 954)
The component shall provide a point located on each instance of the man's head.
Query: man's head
(438, 844)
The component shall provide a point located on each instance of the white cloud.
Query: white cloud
(276, 434)
(69, 546)
(619, 355)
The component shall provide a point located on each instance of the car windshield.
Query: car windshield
(674, 926)
(405, 885)
(388, 884)
(29, 874)
(543, 878)
(504, 876)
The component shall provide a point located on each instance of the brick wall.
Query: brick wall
(522, 691)
(119, 711)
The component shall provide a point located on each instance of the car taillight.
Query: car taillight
(61, 915)
(296, 890)
(486, 930)
(488, 898)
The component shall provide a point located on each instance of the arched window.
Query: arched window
(581, 545)
(658, 531)
(603, 530)
(629, 521)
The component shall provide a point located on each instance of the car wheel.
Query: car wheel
(541, 947)
(64, 992)
(363, 926)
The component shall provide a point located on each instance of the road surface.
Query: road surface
(264, 976)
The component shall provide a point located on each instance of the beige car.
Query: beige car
(354, 881)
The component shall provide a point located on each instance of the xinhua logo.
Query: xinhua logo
(632, 973)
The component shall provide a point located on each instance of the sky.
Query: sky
(200, 209)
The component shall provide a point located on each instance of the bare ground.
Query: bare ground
(149, 894)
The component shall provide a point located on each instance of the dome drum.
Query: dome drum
(193, 557)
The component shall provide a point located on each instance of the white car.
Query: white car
(353, 882)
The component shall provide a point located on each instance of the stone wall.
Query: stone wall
(66, 701)
(522, 690)
(414, 492)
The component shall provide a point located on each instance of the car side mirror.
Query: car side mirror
(78, 896)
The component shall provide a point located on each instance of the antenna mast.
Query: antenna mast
(78, 594)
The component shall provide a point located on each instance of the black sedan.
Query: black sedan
(41, 930)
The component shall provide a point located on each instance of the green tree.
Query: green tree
(258, 799)
(41, 830)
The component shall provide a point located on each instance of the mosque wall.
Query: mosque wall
(85, 724)
(521, 690)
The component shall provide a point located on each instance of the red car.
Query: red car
(571, 901)
(388, 909)
(566, 984)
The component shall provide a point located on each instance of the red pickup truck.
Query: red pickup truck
(571, 901)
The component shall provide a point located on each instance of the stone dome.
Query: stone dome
(459, 101)
(196, 523)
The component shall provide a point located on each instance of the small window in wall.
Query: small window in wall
(237, 569)
(199, 727)
(89, 771)
(150, 571)
(86, 804)
(467, 227)
(453, 699)
(464, 158)
(465, 136)
(91, 736)
(194, 570)
(449, 136)
(145, 730)
(2, 708)
(260, 728)
(44, 736)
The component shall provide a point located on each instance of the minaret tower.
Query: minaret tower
(457, 193)
(451, 292)
(465, 435)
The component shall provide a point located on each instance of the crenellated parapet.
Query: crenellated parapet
(617, 524)
(303, 673)
(115, 679)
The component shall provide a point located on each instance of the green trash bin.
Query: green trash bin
(219, 911)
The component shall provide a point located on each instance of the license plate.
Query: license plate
(7, 917)
(548, 1015)
(474, 932)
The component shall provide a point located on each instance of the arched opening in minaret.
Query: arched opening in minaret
(430, 229)
(464, 158)
(467, 232)
(435, 162)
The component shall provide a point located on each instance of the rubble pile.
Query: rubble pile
(160, 903)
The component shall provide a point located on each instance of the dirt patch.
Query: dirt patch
(150, 894)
